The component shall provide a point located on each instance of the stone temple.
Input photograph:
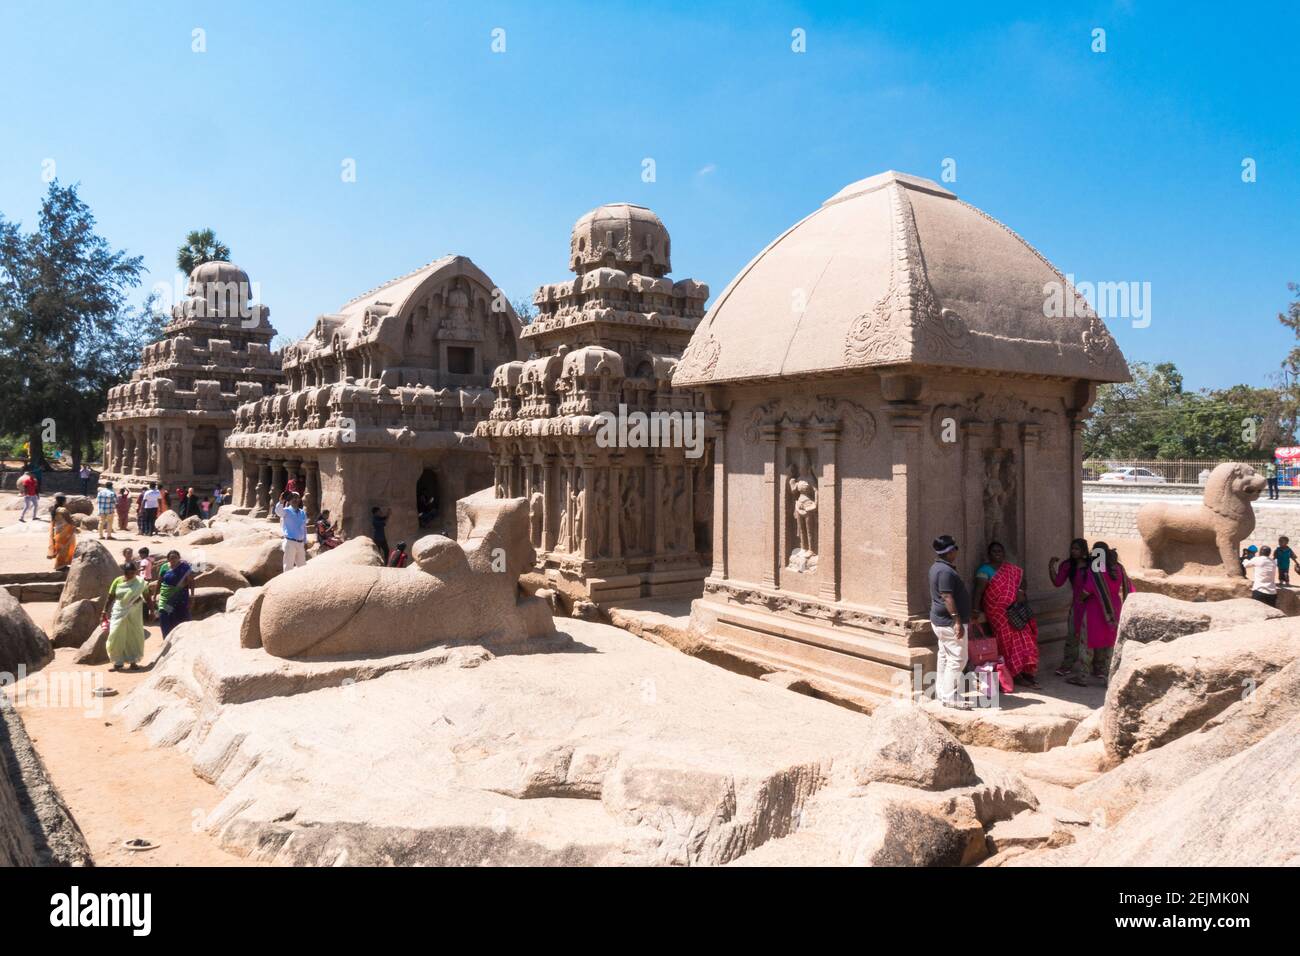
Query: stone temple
(169, 422)
(622, 513)
(895, 366)
(380, 405)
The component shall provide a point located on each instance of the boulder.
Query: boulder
(94, 650)
(1151, 775)
(21, 641)
(92, 570)
(1149, 617)
(215, 574)
(168, 522)
(1164, 690)
(208, 601)
(266, 562)
(242, 598)
(356, 551)
(205, 536)
(191, 524)
(80, 505)
(1238, 812)
(86, 522)
(76, 622)
(1088, 729)
(906, 746)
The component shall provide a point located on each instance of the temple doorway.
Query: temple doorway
(206, 451)
(427, 505)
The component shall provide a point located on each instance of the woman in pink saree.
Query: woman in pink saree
(998, 585)
(1104, 591)
(1074, 570)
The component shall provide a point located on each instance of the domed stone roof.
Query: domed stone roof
(895, 270)
(220, 291)
(623, 236)
(215, 271)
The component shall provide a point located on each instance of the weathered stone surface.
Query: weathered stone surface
(76, 622)
(242, 599)
(80, 505)
(1162, 691)
(216, 574)
(94, 650)
(208, 601)
(207, 536)
(1026, 730)
(1150, 617)
(168, 522)
(92, 571)
(265, 562)
(907, 746)
(21, 641)
(451, 592)
(86, 522)
(36, 828)
(1240, 811)
(355, 551)
(1148, 776)
(1087, 730)
(189, 525)
(1028, 830)
(1207, 540)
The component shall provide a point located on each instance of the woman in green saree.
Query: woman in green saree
(126, 635)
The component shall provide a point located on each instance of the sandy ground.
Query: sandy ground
(117, 787)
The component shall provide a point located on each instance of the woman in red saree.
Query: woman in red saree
(998, 585)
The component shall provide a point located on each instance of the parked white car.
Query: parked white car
(1140, 476)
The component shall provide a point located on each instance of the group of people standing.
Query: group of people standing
(1268, 568)
(999, 610)
(143, 589)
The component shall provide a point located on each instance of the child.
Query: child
(127, 554)
(146, 564)
(1283, 556)
(205, 508)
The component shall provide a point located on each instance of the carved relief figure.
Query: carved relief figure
(803, 509)
(535, 510)
(633, 511)
(600, 517)
(566, 514)
(577, 499)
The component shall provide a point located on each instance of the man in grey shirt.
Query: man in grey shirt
(949, 619)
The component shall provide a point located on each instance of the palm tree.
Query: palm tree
(201, 246)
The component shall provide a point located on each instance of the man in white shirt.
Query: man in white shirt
(149, 508)
(293, 527)
(1264, 568)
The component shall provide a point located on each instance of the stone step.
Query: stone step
(32, 577)
(31, 593)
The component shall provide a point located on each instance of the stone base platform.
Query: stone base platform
(1191, 587)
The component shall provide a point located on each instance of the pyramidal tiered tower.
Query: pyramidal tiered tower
(613, 459)
(170, 421)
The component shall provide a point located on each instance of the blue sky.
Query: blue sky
(1118, 166)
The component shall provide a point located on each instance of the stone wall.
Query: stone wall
(1114, 516)
(36, 828)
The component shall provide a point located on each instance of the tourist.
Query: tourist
(949, 619)
(1246, 555)
(191, 509)
(175, 584)
(293, 486)
(123, 507)
(1075, 570)
(1283, 556)
(280, 505)
(149, 502)
(31, 490)
(106, 505)
(124, 614)
(146, 564)
(293, 530)
(86, 475)
(1270, 472)
(326, 539)
(63, 534)
(1264, 579)
(378, 532)
(427, 510)
(205, 508)
(398, 557)
(1104, 592)
(1000, 598)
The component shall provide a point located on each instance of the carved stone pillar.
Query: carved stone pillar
(548, 503)
(615, 520)
(973, 447)
(828, 513)
(277, 481)
(141, 464)
(310, 480)
(589, 545)
(773, 518)
(1076, 475)
(660, 474)
(905, 511)
(1031, 533)
(187, 453)
(720, 499)
(263, 487)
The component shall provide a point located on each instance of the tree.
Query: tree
(1290, 384)
(200, 246)
(525, 309)
(66, 332)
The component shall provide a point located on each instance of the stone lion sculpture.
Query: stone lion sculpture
(1204, 540)
(343, 605)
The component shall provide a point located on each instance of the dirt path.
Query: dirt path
(117, 787)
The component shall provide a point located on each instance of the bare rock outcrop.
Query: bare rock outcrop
(1165, 690)
(92, 570)
(905, 745)
(22, 643)
(1149, 617)
(76, 623)
(36, 828)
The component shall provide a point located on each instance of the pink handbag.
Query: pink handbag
(981, 649)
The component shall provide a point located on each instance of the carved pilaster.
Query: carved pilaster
(905, 516)
(828, 512)
(773, 520)
(720, 499)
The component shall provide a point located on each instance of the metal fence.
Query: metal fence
(1188, 471)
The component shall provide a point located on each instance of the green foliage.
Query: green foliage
(66, 332)
(200, 246)
(1152, 417)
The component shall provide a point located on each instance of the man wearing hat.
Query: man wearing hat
(949, 619)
